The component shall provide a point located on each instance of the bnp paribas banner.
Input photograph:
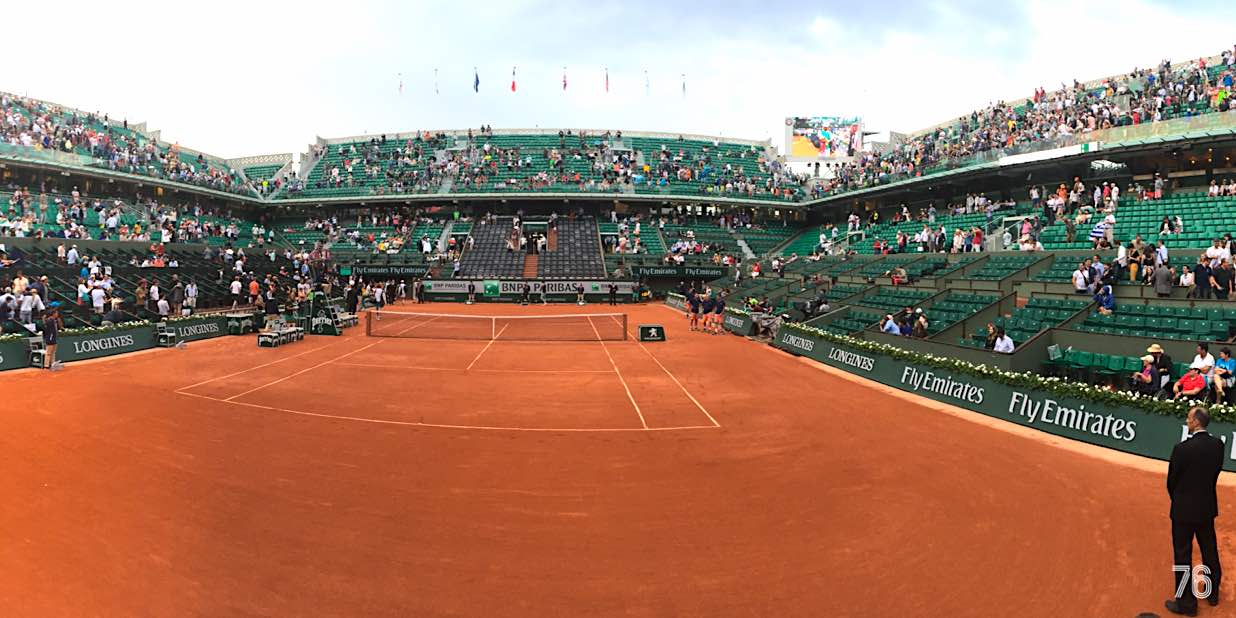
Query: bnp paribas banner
(105, 342)
(1123, 428)
(510, 288)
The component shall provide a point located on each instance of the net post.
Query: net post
(493, 328)
(624, 327)
(368, 324)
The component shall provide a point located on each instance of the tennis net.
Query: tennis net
(573, 327)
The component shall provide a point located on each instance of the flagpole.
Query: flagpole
(435, 80)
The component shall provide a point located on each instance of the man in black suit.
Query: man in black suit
(1191, 478)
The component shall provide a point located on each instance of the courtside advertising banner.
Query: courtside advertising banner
(1118, 427)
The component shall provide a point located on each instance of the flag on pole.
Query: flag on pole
(684, 84)
(401, 83)
(606, 79)
(435, 80)
(647, 84)
(512, 79)
(476, 80)
(564, 82)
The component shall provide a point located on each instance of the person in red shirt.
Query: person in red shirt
(1190, 385)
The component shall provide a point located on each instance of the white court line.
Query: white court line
(394, 366)
(491, 342)
(416, 326)
(667, 372)
(620, 378)
(185, 388)
(327, 362)
(379, 421)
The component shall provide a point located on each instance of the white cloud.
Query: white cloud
(237, 79)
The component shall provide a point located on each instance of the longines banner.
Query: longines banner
(738, 324)
(694, 272)
(95, 345)
(1118, 427)
(200, 328)
(14, 355)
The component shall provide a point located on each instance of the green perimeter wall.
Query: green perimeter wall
(110, 341)
(1123, 428)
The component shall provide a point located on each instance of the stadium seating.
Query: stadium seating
(1037, 315)
(576, 252)
(1165, 322)
(892, 300)
(489, 258)
(764, 240)
(999, 266)
(954, 308)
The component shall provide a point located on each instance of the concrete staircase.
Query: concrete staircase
(530, 266)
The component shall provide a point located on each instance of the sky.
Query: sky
(237, 79)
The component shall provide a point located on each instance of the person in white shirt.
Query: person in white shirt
(1204, 362)
(164, 308)
(97, 296)
(234, 288)
(72, 256)
(29, 304)
(191, 295)
(1080, 284)
(1003, 344)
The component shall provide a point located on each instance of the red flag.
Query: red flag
(564, 78)
(512, 79)
(606, 79)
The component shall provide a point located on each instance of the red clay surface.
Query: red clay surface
(361, 476)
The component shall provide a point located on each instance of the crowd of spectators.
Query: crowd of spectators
(37, 125)
(1144, 95)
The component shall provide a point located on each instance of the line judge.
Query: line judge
(1191, 478)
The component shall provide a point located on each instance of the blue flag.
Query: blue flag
(476, 80)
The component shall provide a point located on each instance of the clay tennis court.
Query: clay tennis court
(702, 476)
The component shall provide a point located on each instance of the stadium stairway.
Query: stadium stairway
(530, 266)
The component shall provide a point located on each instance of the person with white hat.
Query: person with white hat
(1163, 361)
(1146, 381)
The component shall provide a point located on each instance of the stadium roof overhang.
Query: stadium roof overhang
(1012, 167)
(573, 197)
(107, 175)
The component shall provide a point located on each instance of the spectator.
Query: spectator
(1190, 385)
(1221, 279)
(1204, 362)
(888, 325)
(1002, 344)
(1106, 300)
(1187, 282)
(1163, 361)
(1162, 278)
(1081, 283)
(1224, 375)
(1146, 381)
